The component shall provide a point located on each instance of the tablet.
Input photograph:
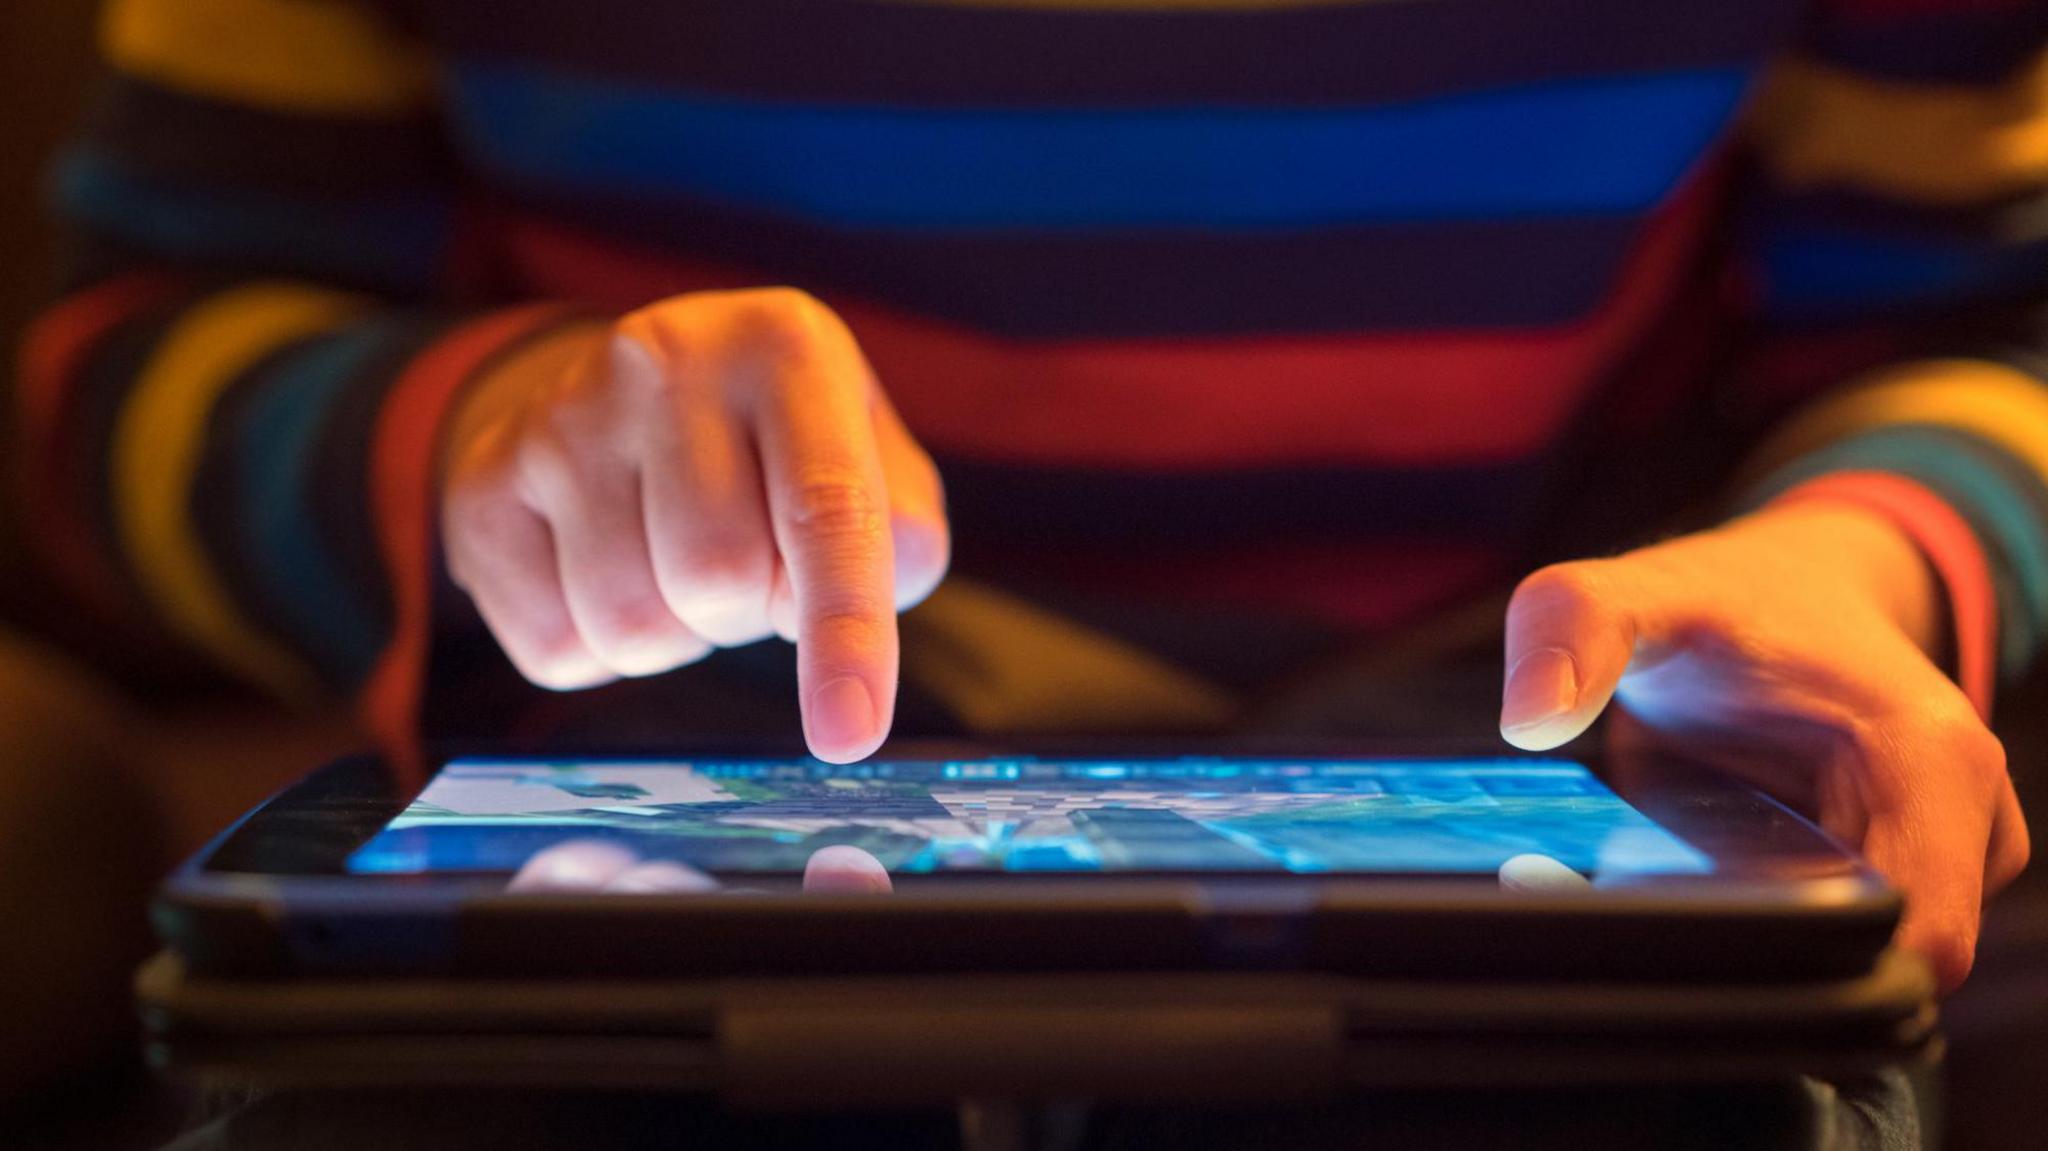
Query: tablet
(1356, 861)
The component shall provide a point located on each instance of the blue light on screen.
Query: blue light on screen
(1456, 817)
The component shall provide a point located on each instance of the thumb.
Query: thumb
(1569, 637)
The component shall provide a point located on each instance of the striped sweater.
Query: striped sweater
(1241, 330)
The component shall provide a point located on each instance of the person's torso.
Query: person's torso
(1310, 304)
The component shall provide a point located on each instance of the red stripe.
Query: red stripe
(1951, 547)
(1401, 399)
(53, 355)
(403, 454)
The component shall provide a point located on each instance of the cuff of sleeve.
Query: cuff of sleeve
(1952, 549)
(405, 451)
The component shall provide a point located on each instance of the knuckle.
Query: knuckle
(477, 514)
(556, 659)
(654, 356)
(2017, 856)
(716, 571)
(1566, 587)
(779, 324)
(937, 481)
(1953, 726)
(651, 329)
(1952, 959)
(545, 459)
(572, 417)
(1936, 743)
(856, 626)
(835, 507)
(477, 496)
(923, 555)
(628, 621)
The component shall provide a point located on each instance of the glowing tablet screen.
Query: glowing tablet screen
(1029, 815)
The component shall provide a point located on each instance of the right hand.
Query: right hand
(712, 470)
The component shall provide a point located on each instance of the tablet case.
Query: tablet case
(877, 1041)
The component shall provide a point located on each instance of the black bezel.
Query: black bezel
(270, 896)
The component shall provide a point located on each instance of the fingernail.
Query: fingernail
(1542, 686)
(842, 716)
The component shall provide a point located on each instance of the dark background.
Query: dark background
(2001, 1019)
(45, 71)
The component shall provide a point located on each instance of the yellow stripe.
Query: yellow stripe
(1940, 145)
(158, 439)
(1997, 403)
(309, 56)
(1004, 665)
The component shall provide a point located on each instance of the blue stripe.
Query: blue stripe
(393, 242)
(1984, 486)
(283, 547)
(1824, 274)
(1583, 146)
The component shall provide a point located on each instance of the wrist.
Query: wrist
(1948, 545)
(1871, 554)
(505, 388)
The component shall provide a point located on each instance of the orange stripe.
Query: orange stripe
(1434, 398)
(403, 453)
(53, 354)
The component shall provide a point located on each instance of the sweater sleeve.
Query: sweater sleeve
(1896, 230)
(227, 424)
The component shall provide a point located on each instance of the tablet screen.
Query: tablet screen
(1029, 815)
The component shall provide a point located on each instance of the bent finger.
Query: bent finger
(706, 515)
(608, 576)
(1929, 833)
(2011, 845)
(917, 509)
(503, 554)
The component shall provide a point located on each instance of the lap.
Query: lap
(1876, 1114)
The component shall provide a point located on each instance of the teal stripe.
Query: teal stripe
(1990, 491)
(285, 552)
(393, 241)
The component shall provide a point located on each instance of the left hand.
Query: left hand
(1793, 642)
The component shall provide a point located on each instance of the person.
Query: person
(431, 355)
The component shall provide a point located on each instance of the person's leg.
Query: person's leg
(79, 849)
(98, 798)
(474, 1120)
(1878, 1113)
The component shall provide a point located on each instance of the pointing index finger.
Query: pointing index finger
(830, 510)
